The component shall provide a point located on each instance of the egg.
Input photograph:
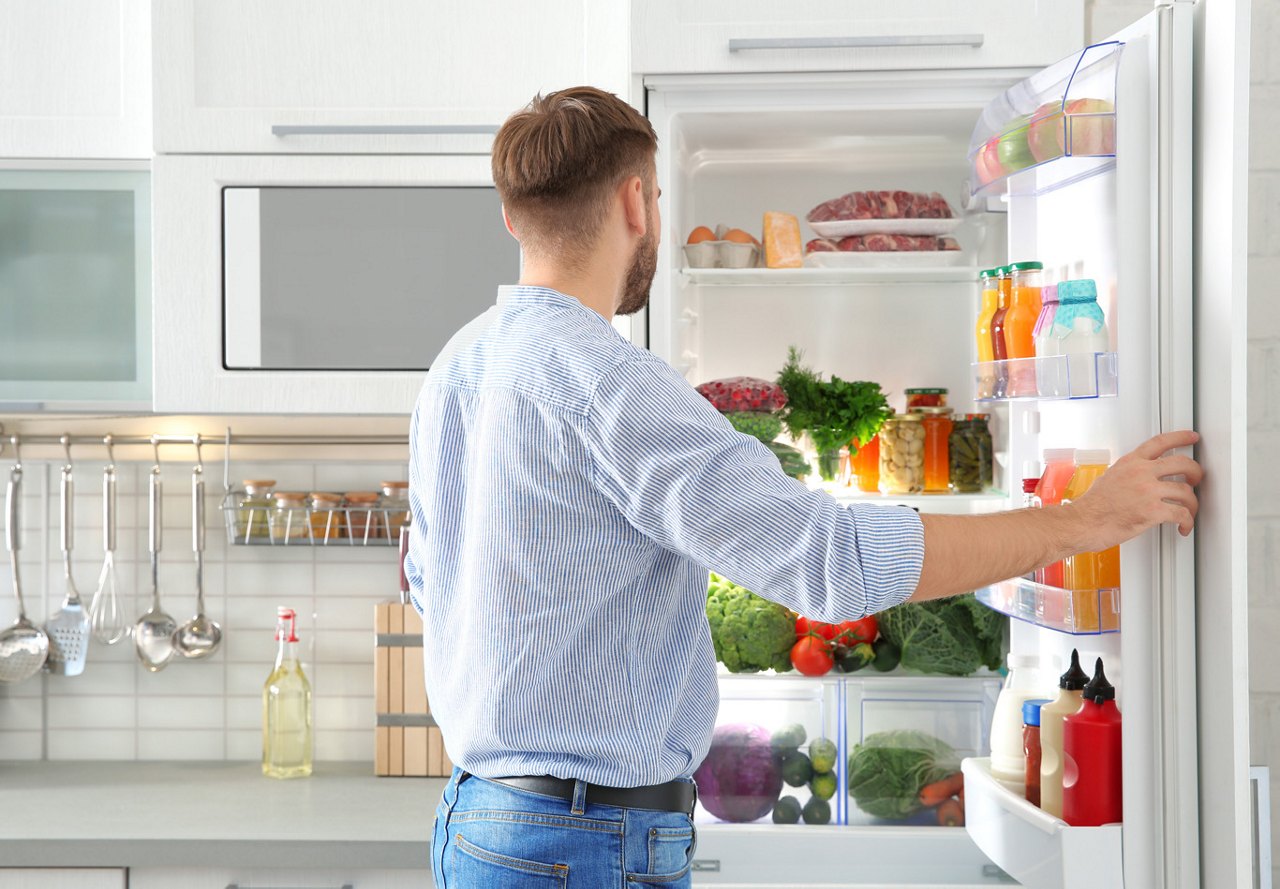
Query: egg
(700, 234)
(738, 236)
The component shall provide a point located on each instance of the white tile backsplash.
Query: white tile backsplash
(208, 709)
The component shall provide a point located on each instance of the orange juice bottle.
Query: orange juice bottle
(1020, 325)
(990, 300)
(1085, 573)
(1059, 467)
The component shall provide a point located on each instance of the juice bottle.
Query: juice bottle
(1052, 715)
(286, 707)
(1008, 758)
(1004, 293)
(1059, 466)
(1092, 785)
(990, 299)
(1086, 573)
(1020, 324)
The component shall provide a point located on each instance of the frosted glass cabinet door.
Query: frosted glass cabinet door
(75, 287)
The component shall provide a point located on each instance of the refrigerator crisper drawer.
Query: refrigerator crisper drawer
(1033, 847)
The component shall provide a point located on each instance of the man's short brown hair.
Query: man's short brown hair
(557, 161)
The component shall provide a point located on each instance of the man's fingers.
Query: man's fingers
(1179, 464)
(1157, 446)
(1180, 494)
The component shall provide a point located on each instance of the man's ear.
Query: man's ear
(634, 205)
(506, 220)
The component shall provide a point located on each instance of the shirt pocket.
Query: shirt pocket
(474, 865)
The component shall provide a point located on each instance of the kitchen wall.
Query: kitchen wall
(209, 709)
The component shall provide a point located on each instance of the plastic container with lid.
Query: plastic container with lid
(395, 504)
(1008, 759)
(1052, 715)
(328, 521)
(937, 434)
(253, 510)
(1080, 332)
(902, 454)
(289, 518)
(364, 518)
(926, 398)
(1020, 324)
(1092, 782)
(1031, 747)
(982, 331)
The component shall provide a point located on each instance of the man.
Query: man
(570, 492)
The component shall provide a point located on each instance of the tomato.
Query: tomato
(855, 631)
(804, 627)
(812, 656)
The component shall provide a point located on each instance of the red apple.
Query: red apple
(1045, 134)
(1092, 125)
(987, 163)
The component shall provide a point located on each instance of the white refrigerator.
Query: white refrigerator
(1152, 213)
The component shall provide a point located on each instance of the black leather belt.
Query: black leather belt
(674, 796)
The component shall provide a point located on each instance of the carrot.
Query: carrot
(951, 813)
(932, 794)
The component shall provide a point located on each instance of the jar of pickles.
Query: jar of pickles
(937, 433)
(395, 504)
(253, 510)
(328, 521)
(902, 454)
(289, 518)
(364, 518)
(969, 455)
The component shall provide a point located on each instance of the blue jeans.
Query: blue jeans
(490, 836)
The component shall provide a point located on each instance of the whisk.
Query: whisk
(106, 618)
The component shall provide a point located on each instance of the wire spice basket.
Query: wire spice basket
(296, 523)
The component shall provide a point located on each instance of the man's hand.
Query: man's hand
(1144, 488)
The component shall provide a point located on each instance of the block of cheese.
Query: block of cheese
(782, 245)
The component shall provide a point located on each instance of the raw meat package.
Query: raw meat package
(881, 243)
(882, 205)
(743, 394)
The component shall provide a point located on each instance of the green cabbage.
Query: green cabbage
(952, 636)
(888, 770)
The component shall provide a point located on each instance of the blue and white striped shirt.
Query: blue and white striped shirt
(570, 492)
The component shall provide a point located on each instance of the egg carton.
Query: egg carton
(721, 254)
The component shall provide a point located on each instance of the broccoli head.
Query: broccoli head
(749, 633)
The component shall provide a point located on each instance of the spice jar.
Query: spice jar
(937, 432)
(328, 521)
(364, 518)
(253, 510)
(395, 504)
(289, 518)
(902, 454)
(926, 398)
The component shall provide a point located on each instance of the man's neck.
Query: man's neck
(596, 289)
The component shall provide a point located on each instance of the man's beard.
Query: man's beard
(635, 289)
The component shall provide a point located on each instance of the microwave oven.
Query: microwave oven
(318, 283)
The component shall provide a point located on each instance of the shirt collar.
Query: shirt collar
(524, 294)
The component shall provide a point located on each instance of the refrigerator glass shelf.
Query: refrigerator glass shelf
(816, 277)
(1060, 122)
(1076, 612)
(1049, 378)
(934, 504)
(1032, 846)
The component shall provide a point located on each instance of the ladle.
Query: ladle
(24, 647)
(154, 631)
(200, 636)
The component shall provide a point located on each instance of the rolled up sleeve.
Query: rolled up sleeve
(682, 476)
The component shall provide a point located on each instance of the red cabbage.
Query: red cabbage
(739, 780)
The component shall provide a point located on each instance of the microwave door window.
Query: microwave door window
(357, 278)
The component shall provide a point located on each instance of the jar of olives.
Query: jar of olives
(902, 455)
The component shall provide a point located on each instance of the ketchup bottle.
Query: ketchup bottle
(1091, 774)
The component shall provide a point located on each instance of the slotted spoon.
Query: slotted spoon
(68, 627)
(24, 647)
(153, 633)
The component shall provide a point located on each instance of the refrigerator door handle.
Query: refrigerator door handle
(740, 44)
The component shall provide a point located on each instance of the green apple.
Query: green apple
(1012, 148)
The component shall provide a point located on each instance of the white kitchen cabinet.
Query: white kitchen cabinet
(675, 36)
(62, 878)
(75, 79)
(272, 878)
(345, 76)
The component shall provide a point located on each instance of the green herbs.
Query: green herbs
(953, 636)
(888, 769)
(834, 412)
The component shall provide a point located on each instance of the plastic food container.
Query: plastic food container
(902, 455)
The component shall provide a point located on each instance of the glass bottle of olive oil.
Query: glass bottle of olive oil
(286, 707)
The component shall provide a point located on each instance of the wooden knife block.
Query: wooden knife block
(407, 741)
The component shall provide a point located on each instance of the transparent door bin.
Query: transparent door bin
(1049, 378)
(1061, 122)
(309, 526)
(774, 707)
(938, 721)
(1033, 847)
(1077, 612)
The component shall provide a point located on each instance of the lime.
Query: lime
(822, 751)
(823, 785)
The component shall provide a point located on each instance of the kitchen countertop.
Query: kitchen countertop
(207, 814)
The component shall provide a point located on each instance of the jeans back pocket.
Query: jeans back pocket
(473, 865)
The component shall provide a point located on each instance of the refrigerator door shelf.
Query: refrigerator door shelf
(933, 504)
(826, 277)
(1077, 612)
(1032, 846)
(1047, 378)
(1063, 118)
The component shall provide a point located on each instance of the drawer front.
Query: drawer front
(669, 36)
(272, 878)
(62, 878)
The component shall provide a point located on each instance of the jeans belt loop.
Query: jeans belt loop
(579, 797)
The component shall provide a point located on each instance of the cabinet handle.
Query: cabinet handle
(739, 44)
(289, 129)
